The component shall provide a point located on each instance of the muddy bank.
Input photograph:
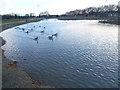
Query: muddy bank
(13, 77)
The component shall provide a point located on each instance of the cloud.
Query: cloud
(5, 3)
(53, 6)
(2, 3)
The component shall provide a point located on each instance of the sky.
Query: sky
(54, 7)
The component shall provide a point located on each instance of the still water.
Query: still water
(83, 54)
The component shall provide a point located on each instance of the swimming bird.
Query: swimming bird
(17, 28)
(36, 38)
(31, 29)
(55, 34)
(42, 31)
(27, 32)
(44, 27)
(50, 37)
(23, 29)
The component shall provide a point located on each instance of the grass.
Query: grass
(12, 21)
(19, 20)
(9, 23)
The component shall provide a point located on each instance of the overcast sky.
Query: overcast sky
(53, 6)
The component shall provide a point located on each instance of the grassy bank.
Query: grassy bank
(12, 21)
(15, 22)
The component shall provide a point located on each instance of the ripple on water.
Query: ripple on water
(78, 57)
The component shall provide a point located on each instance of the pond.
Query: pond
(83, 54)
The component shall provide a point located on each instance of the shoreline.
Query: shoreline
(12, 76)
(114, 21)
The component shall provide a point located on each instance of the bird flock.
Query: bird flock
(50, 37)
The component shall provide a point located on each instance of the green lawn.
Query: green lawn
(19, 20)
(11, 21)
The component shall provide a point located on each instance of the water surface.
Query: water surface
(84, 54)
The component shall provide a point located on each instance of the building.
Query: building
(45, 13)
(32, 14)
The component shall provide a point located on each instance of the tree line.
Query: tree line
(106, 10)
(103, 11)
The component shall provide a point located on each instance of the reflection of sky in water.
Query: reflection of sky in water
(85, 53)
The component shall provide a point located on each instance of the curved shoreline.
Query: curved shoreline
(12, 76)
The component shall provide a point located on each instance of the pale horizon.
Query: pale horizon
(54, 7)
